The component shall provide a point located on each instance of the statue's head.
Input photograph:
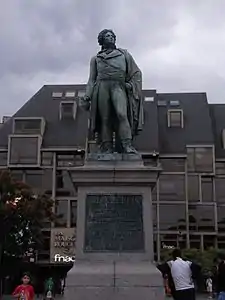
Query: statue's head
(106, 38)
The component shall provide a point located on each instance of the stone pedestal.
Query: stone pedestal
(114, 254)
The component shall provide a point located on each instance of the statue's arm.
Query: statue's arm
(92, 78)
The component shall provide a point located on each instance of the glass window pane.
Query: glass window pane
(201, 218)
(73, 213)
(207, 190)
(3, 158)
(173, 165)
(175, 118)
(154, 216)
(28, 126)
(47, 158)
(220, 190)
(220, 168)
(172, 217)
(171, 188)
(24, 150)
(221, 242)
(61, 211)
(221, 218)
(209, 241)
(195, 241)
(193, 188)
(200, 160)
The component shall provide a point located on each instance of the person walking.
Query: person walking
(209, 286)
(221, 277)
(181, 275)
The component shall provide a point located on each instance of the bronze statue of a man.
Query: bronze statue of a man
(114, 92)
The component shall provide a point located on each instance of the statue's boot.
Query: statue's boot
(127, 147)
(106, 148)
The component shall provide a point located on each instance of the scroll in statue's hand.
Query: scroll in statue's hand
(84, 102)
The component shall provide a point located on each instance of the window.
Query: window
(207, 189)
(220, 168)
(220, 190)
(154, 216)
(17, 175)
(73, 213)
(173, 164)
(221, 242)
(193, 188)
(223, 138)
(221, 218)
(174, 103)
(209, 241)
(57, 94)
(24, 150)
(47, 158)
(34, 179)
(172, 217)
(162, 103)
(70, 160)
(61, 211)
(40, 180)
(3, 158)
(200, 159)
(171, 188)
(81, 93)
(149, 99)
(28, 126)
(201, 218)
(70, 94)
(68, 110)
(195, 241)
(175, 118)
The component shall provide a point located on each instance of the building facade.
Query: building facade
(48, 137)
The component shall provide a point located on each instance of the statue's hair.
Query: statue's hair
(102, 35)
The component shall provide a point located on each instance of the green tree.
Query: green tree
(21, 217)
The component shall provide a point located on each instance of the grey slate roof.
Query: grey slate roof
(203, 123)
(197, 123)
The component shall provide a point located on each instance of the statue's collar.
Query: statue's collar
(109, 53)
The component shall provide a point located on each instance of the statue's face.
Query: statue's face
(109, 38)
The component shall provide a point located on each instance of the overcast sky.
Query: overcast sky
(178, 44)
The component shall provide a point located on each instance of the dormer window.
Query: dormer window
(70, 94)
(68, 110)
(28, 125)
(175, 118)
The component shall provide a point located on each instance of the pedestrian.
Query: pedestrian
(49, 288)
(221, 277)
(24, 291)
(181, 275)
(209, 286)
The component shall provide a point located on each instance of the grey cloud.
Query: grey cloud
(179, 44)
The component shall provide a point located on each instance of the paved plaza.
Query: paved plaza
(7, 297)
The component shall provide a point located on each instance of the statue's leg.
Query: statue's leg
(104, 112)
(119, 100)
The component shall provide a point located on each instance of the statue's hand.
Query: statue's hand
(128, 86)
(84, 102)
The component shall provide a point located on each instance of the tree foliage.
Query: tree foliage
(21, 215)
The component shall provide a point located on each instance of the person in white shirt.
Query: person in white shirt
(209, 286)
(181, 273)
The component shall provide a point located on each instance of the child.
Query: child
(209, 287)
(24, 291)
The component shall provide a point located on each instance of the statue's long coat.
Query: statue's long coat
(134, 105)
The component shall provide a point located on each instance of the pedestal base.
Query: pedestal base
(114, 281)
